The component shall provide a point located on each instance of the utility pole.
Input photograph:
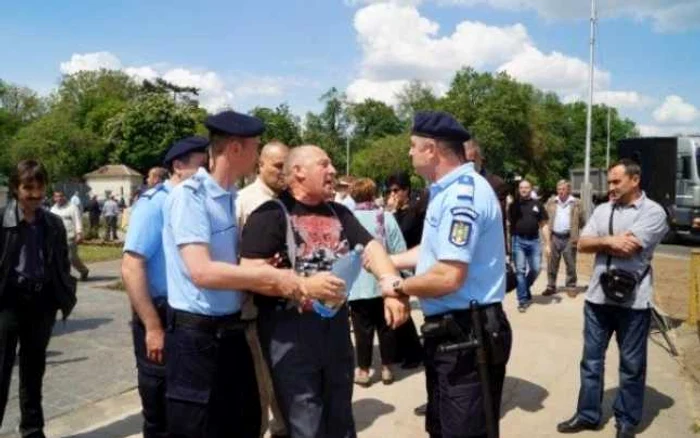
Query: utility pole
(586, 195)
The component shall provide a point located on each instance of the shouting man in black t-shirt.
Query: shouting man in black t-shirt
(311, 357)
(526, 217)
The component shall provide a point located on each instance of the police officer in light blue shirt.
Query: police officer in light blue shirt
(143, 273)
(459, 263)
(212, 391)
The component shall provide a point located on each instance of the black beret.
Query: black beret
(439, 125)
(184, 147)
(235, 124)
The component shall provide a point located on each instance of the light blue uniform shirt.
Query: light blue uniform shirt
(200, 211)
(463, 223)
(366, 285)
(145, 236)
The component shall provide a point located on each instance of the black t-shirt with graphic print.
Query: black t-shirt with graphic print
(322, 233)
(525, 216)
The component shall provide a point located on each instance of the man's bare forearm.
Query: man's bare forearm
(442, 279)
(135, 281)
(407, 259)
(380, 263)
(594, 244)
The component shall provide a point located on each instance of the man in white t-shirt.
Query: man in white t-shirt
(72, 222)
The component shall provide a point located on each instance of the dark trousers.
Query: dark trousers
(30, 325)
(368, 317)
(455, 392)
(311, 360)
(408, 347)
(561, 246)
(94, 227)
(211, 386)
(111, 222)
(151, 381)
(631, 328)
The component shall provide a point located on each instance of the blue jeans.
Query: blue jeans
(528, 256)
(631, 329)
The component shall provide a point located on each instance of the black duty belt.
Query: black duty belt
(206, 323)
(463, 313)
(27, 284)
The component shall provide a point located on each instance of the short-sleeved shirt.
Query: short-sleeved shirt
(322, 232)
(464, 224)
(647, 221)
(525, 216)
(145, 236)
(385, 229)
(200, 211)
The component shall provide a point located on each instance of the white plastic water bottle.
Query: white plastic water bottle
(347, 268)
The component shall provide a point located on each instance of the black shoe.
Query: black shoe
(411, 365)
(624, 432)
(549, 291)
(575, 425)
(421, 410)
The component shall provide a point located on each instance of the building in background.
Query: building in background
(114, 179)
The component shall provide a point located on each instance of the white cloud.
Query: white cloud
(90, 61)
(399, 45)
(674, 110)
(618, 99)
(215, 93)
(668, 130)
(666, 15)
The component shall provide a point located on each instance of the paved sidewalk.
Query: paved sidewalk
(541, 387)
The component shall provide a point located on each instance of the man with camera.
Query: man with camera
(623, 234)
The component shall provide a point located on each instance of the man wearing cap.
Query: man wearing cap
(143, 273)
(459, 264)
(212, 390)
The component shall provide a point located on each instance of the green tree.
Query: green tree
(66, 149)
(415, 96)
(383, 157)
(373, 119)
(328, 128)
(280, 124)
(141, 134)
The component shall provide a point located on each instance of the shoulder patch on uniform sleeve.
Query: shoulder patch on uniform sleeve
(465, 188)
(464, 211)
(460, 232)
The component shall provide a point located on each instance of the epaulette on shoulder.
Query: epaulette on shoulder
(465, 188)
(194, 183)
(150, 193)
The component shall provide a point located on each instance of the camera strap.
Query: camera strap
(611, 232)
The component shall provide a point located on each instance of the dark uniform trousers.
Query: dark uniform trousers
(151, 378)
(455, 392)
(211, 387)
(29, 321)
(311, 360)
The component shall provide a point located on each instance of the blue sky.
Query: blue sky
(247, 53)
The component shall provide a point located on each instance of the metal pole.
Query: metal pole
(586, 189)
(347, 153)
(607, 150)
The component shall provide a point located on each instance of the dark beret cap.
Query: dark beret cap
(235, 124)
(184, 147)
(439, 125)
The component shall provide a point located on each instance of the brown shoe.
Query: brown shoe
(549, 291)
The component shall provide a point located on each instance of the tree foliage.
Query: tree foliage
(280, 124)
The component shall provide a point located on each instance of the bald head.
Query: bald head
(310, 174)
(271, 165)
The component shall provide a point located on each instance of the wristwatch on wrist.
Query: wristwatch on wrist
(397, 286)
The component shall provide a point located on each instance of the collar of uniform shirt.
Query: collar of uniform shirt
(447, 180)
(213, 187)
